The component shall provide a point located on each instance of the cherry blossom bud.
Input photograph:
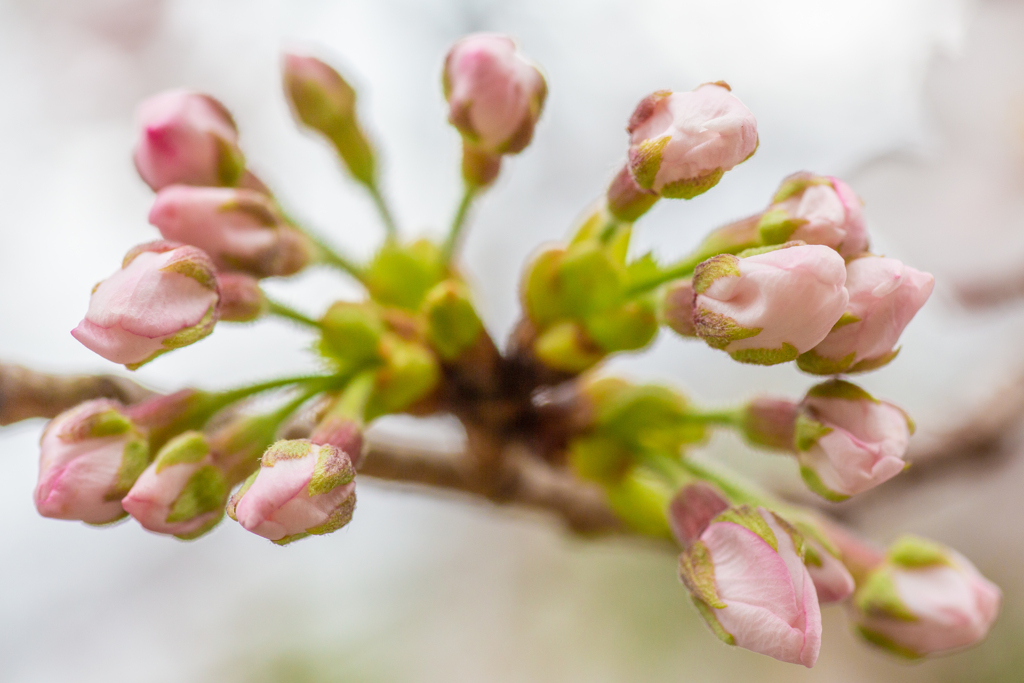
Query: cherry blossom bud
(816, 210)
(748, 580)
(925, 599)
(848, 441)
(832, 580)
(692, 509)
(164, 297)
(453, 326)
(241, 299)
(676, 309)
(494, 94)
(188, 138)
(772, 306)
(885, 295)
(299, 490)
(241, 230)
(183, 492)
(341, 425)
(89, 457)
(770, 423)
(681, 143)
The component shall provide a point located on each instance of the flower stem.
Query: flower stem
(226, 398)
(675, 271)
(458, 222)
(283, 311)
(723, 417)
(737, 490)
(390, 228)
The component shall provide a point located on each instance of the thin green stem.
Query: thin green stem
(669, 468)
(737, 490)
(458, 222)
(226, 398)
(285, 411)
(390, 228)
(676, 271)
(723, 417)
(353, 400)
(331, 257)
(283, 311)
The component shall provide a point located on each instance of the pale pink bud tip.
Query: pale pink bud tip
(770, 307)
(495, 95)
(164, 297)
(681, 143)
(749, 582)
(832, 580)
(187, 137)
(885, 295)
(925, 599)
(816, 210)
(89, 458)
(301, 488)
(848, 441)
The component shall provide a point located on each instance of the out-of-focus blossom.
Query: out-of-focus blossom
(164, 297)
(748, 580)
(239, 229)
(189, 138)
(770, 307)
(241, 299)
(681, 143)
(848, 441)
(817, 210)
(89, 458)
(832, 580)
(925, 599)
(300, 489)
(885, 295)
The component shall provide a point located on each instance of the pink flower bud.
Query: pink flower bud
(848, 441)
(187, 137)
(494, 94)
(681, 143)
(164, 297)
(692, 509)
(748, 580)
(885, 295)
(183, 492)
(320, 98)
(770, 307)
(816, 210)
(89, 457)
(925, 599)
(344, 433)
(832, 580)
(241, 299)
(300, 489)
(240, 229)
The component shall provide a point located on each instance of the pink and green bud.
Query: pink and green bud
(885, 295)
(187, 138)
(495, 95)
(770, 423)
(692, 509)
(817, 210)
(676, 310)
(300, 489)
(681, 143)
(89, 458)
(832, 581)
(241, 230)
(772, 306)
(183, 492)
(847, 441)
(747, 577)
(164, 297)
(925, 599)
(241, 298)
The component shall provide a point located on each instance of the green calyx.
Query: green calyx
(289, 449)
(879, 597)
(723, 265)
(351, 333)
(776, 226)
(718, 331)
(886, 643)
(134, 461)
(333, 469)
(629, 327)
(796, 184)
(711, 619)
(109, 422)
(567, 347)
(191, 268)
(230, 162)
(914, 552)
(697, 572)
(784, 354)
(750, 519)
(807, 432)
(646, 161)
(246, 485)
(341, 516)
(692, 187)
(402, 274)
(588, 280)
(410, 371)
(816, 485)
(206, 491)
(453, 325)
(841, 389)
(811, 363)
(189, 447)
(869, 364)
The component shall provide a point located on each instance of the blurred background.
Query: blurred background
(919, 104)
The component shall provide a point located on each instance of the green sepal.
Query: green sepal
(109, 422)
(886, 643)
(354, 149)
(649, 416)
(841, 389)
(756, 251)
(869, 364)
(230, 162)
(189, 447)
(688, 189)
(878, 597)
(796, 185)
(629, 327)
(206, 491)
(351, 333)
(646, 161)
(341, 516)
(785, 354)
(813, 364)
(816, 485)
(190, 268)
(845, 319)
(588, 280)
(723, 265)
(201, 531)
(402, 274)
(914, 552)
(246, 485)
(718, 330)
(333, 469)
(697, 572)
(711, 619)
(539, 289)
(566, 346)
(751, 520)
(410, 372)
(134, 461)
(807, 431)
(776, 226)
(452, 322)
(286, 449)
(811, 531)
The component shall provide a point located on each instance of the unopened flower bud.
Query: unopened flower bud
(627, 201)
(341, 424)
(89, 458)
(241, 299)
(567, 347)
(410, 373)
(494, 94)
(681, 143)
(321, 99)
(748, 580)
(770, 307)
(187, 138)
(241, 230)
(164, 297)
(771, 423)
(832, 581)
(885, 295)
(351, 333)
(453, 325)
(648, 417)
(300, 489)
(816, 210)
(402, 274)
(628, 327)
(847, 441)
(676, 309)
(692, 509)
(183, 492)
(925, 599)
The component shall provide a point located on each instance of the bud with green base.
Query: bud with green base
(817, 210)
(342, 423)
(351, 334)
(402, 274)
(409, 374)
(924, 599)
(453, 326)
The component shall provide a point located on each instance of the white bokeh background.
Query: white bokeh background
(919, 103)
